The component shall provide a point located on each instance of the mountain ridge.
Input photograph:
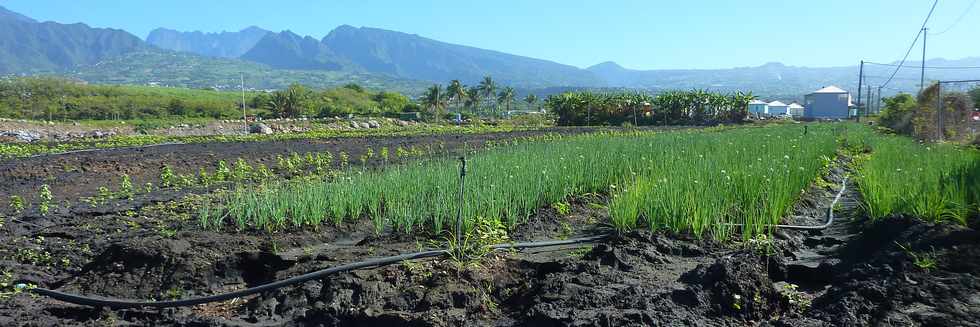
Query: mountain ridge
(30, 46)
(222, 44)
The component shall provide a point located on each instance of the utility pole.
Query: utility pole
(939, 110)
(878, 102)
(860, 85)
(922, 77)
(869, 101)
(244, 115)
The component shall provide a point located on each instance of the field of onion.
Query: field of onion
(697, 181)
(935, 182)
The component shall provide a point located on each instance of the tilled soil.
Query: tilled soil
(75, 175)
(852, 274)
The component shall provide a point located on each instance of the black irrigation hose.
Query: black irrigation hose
(128, 304)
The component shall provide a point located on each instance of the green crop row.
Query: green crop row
(17, 150)
(509, 183)
(713, 183)
(935, 182)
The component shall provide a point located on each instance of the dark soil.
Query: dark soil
(852, 274)
(80, 174)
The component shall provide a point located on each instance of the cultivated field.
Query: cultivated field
(792, 224)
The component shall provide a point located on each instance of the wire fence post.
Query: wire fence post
(459, 208)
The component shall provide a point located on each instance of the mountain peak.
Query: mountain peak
(221, 44)
(608, 65)
(10, 15)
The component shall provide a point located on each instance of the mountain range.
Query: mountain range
(221, 45)
(377, 58)
(28, 46)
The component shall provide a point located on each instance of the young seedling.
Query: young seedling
(222, 173)
(126, 187)
(167, 177)
(45, 197)
(16, 204)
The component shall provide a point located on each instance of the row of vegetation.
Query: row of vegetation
(40, 98)
(711, 183)
(921, 116)
(485, 99)
(672, 107)
(17, 150)
(507, 184)
(935, 182)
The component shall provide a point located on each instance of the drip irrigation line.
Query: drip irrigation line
(830, 214)
(130, 304)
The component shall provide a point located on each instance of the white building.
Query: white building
(796, 110)
(777, 108)
(828, 102)
(758, 108)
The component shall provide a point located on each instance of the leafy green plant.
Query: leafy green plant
(16, 204)
(167, 177)
(922, 260)
(126, 187)
(45, 196)
(344, 159)
(562, 208)
(242, 171)
(222, 173)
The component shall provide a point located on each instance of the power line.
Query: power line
(896, 78)
(957, 21)
(916, 40)
(920, 67)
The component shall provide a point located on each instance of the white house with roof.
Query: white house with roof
(758, 108)
(795, 110)
(828, 102)
(777, 108)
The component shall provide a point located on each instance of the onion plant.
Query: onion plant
(935, 182)
(711, 183)
(695, 180)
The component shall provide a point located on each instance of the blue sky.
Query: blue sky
(636, 34)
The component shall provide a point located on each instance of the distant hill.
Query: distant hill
(416, 57)
(12, 16)
(29, 46)
(288, 50)
(224, 44)
(181, 69)
(779, 81)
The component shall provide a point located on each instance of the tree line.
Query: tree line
(922, 117)
(487, 98)
(695, 107)
(44, 98)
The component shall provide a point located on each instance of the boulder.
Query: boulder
(259, 128)
(373, 124)
(22, 136)
(401, 123)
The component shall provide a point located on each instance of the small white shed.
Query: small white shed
(777, 108)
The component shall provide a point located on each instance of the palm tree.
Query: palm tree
(457, 91)
(473, 98)
(435, 99)
(530, 99)
(506, 97)
(488, 88)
